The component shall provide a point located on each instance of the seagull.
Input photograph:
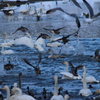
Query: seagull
(23, 29)
(65, 38)
(60, 9)
(56, 31)
(74, 69)
(36, 68)
(76, 3)
(92, 17)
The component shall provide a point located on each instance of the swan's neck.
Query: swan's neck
(5, 38)
(27, 6)
(52, 53)
(66, 67)
(52, 37)
(8, 6)
(55, 87)
(2, 49)
(29, 35)
(19, 80)
(19, 91)
(40, 41)
(84, 78)
(8, 94)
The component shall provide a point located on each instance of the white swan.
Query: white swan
(54, 44)
(67, 74)
(24, 41)
(6, 51)
(20, 96)
(39, 44)
(66, 97)
(85, 91)
(8, 92)
(26, 10)
(56, 96)
(91, 79)
(5, 43)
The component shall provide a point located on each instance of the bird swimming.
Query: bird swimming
(8, 66)
(85, 91)
(97, 55)
(60, 9)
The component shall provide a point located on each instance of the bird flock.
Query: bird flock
(45, 44)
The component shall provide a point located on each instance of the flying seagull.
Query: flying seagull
(75, 69)
(65, 38)
(60, 9)
(92, 17)
(36, 68)
(23, 29)
(56, 31)
(76, 3)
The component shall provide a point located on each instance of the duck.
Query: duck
(29, 92)
(9, 11)
(19, 79)
(85, 91)
(92, 17)
(1, 96)
(97, 91)
(96, 98)
(73, 74)
(97, 55)
(54, 55)
(8, 66)
(44, 93)
(56, 96)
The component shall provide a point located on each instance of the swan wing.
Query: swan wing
(67, 74)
